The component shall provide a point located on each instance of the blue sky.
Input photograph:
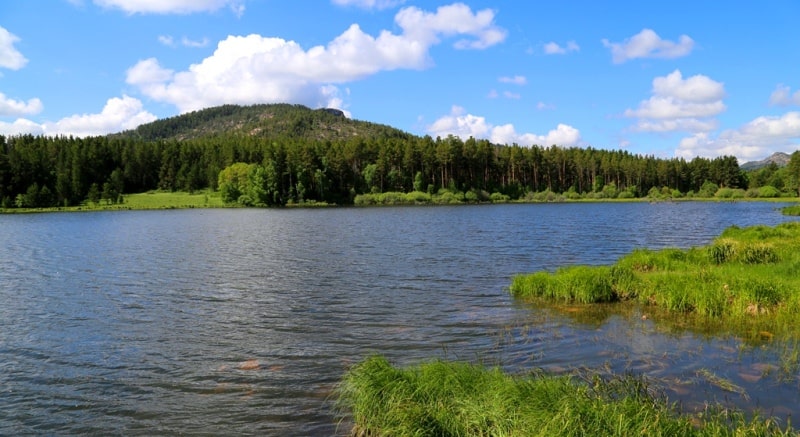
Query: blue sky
(670, 79)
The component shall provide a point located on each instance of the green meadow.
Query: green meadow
(141, 201)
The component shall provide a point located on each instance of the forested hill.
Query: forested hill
(290, 154)
(263, 121)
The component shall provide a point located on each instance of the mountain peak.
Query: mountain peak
(778, 158)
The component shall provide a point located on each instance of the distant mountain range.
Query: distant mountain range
(779, 158)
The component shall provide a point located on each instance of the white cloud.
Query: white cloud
(510, 95)
(755, 140)
(516, 80)
(171, 6)
(370, 4)
(117, 115)
(256, 69)
(21, 126)
(680, 104)
(553, 48)
(542, 106)
(169, 41)
(10, 107)
(668, 107)
(464, 125)
(697, 88)
(647, 44)
(456, 19)
(9, 56)
(783, 96)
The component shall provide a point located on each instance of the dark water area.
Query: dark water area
(243, 321)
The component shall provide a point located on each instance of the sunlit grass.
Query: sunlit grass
(747, 280)
(791, 210)
(458, 399)
(178, 199)
(140, 201)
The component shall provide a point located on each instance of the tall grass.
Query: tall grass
(791, 210)
(748, 278)
(458, 399)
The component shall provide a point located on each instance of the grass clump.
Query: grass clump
(791, 210)
(459, 399)
(581, 284)
(744, 274)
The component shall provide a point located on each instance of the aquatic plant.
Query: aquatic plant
(791, 210)
(747, 279)
(442, 398)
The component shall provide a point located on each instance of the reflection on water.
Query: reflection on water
(243, 321)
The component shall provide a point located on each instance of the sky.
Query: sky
(668, 79)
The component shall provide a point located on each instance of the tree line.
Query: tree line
(39, 171)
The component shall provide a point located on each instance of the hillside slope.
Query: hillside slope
(266, 121)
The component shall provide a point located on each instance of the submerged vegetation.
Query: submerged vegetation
(746, 282)
(459, 399)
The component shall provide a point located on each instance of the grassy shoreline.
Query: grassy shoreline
(746, 281)
(153, 200)
(441, 398)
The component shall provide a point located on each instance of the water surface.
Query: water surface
(151, 322)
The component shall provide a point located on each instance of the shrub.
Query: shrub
(499, 198)
(768, 191)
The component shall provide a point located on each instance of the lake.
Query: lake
(242, 321)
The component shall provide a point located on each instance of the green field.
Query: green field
(140, 201)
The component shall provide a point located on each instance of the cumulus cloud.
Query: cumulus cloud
(256, 69)
(464, 125)
(647, 44)
(171, 6)
(553, 48)
(755, 140)
(516, 80)
(783, 96)
(370, 4)
(117, 115)
(456, 19)
(679, 104)
(9, 56)
(21, 126)
(11, 107)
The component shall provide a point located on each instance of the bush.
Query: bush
(768, 191)
(418, 197)
(499, 198)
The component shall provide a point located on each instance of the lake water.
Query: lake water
(241, 321)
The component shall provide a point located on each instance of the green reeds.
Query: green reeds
(748, 278)
(791, 210)
(458, 399)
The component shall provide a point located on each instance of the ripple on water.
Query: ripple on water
(243, 321)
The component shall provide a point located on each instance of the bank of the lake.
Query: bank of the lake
(745, 284)
(153, 200)
(448, 398)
